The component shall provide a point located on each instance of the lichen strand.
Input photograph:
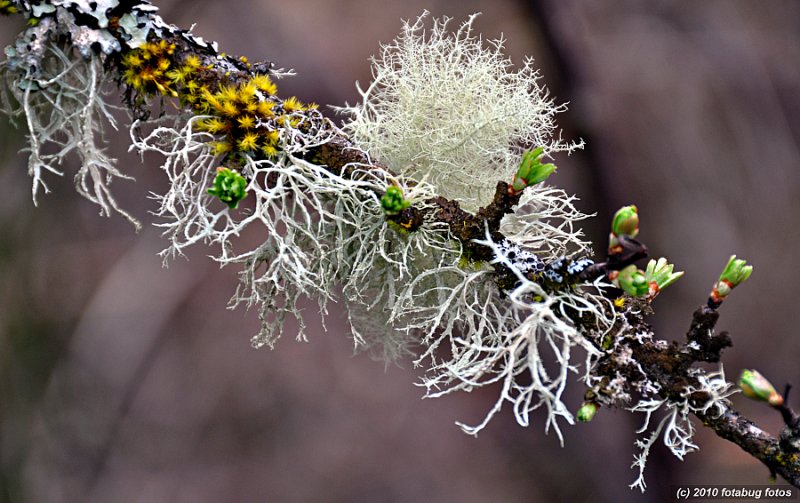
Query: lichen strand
(504, 337)
(541, 219)
(63, 106)
(57, 75)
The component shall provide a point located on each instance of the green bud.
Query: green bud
(229, 187)
(531, 170)
(626, 222)
(392, 201)
(659, 275)
(7, 8)
(633, 281)
(736, 272)
(756, 386)
(587, 412)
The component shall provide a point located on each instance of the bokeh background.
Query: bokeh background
(122, 381)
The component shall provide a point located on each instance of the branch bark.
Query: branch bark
(671, 367)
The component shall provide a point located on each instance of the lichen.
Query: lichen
(447, 107)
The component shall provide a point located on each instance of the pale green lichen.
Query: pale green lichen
(448, 107)
(675, 427)
(63, 105)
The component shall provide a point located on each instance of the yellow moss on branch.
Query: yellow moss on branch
(244, 117)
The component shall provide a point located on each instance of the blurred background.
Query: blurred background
(122, 381)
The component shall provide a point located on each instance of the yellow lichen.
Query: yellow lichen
(147, 69)
(292, 104)
(246, 122)
(248, 142)
(243, 117)
(249, 116)
(264, 84)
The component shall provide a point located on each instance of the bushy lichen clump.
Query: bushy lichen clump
(58, 76)
(447, 107)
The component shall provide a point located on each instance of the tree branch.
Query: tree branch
(649, 366)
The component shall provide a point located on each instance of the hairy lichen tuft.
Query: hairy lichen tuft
(447, 107)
